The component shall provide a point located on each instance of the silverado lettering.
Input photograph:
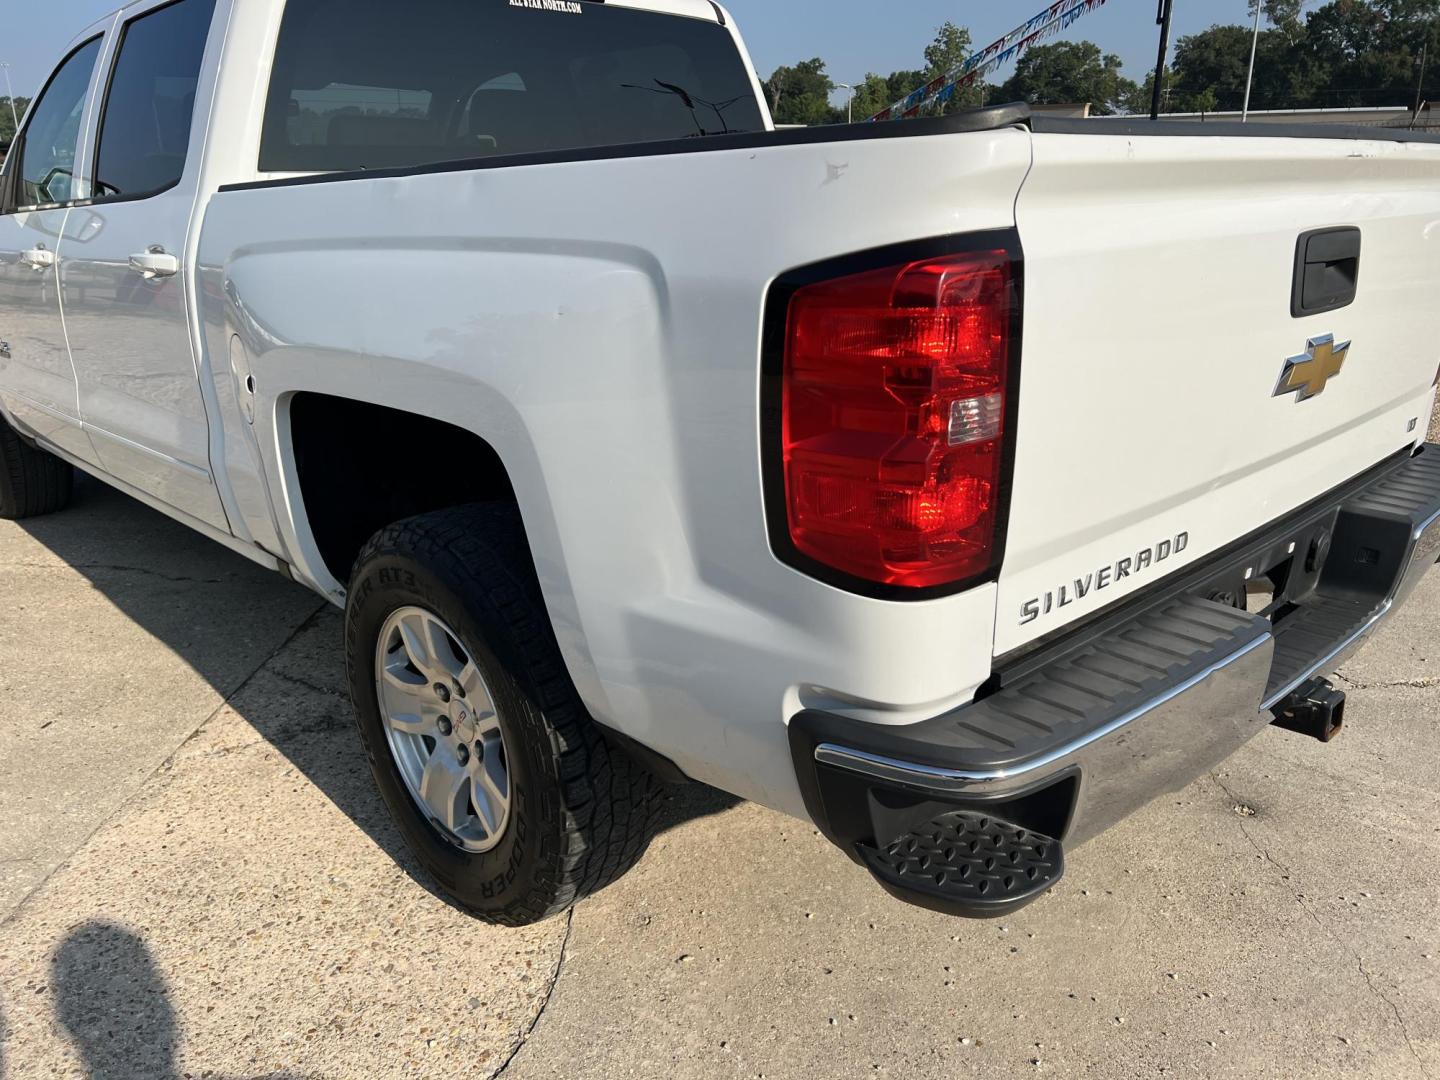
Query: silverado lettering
(1102, 579)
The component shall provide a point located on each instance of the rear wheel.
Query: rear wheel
(32, 482)
(508, 793)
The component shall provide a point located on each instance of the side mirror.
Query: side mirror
(56, 186)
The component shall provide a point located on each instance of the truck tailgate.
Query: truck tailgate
(1158, 418)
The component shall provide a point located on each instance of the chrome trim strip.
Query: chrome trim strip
(960, 781)
(1331, 656)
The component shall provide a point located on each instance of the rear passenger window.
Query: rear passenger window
(364, 84)
(145, 127)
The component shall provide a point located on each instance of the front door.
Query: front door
(37, 383)
(124, 275)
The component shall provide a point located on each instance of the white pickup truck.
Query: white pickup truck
(958, 485)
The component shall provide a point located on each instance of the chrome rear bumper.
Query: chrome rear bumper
(1146, 698)
(1156, 747)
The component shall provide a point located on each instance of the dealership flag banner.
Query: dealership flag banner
(1057, 17)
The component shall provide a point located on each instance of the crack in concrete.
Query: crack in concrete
(1425, 683)
(545, 1003)
(120, 569)
(1395, 1009)
(306, 684)
(276, 741)
(1286, 875)
(165, 766)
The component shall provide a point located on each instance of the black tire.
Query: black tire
(582, 811)
(32, 482)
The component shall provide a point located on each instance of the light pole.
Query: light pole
(11, 91)
(850, 105)
(1254, 49)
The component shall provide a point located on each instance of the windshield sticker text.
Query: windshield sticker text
(567, 7)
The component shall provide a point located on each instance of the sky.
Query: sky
(853, 36)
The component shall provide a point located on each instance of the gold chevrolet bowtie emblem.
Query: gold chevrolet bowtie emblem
(1308, 375)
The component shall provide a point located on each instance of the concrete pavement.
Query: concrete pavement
(196, 879)
(121, 632)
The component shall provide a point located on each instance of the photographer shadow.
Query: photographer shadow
(112, 1000)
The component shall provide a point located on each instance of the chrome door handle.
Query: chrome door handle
(155, 263)
(38, 258)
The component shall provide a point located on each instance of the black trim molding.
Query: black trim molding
(990, 119)
(1140, 126)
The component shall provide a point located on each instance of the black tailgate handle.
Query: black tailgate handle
(1327, 271)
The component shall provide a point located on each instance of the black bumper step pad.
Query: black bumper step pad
(1315, 631)
(1410, 494)
(1093, 686)
(968, 864)
(1372, 558)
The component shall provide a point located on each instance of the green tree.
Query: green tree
(1070, 72)
(1204, 102)
(1369, 52)
(800, 94)
(1284, 15)
(1211, 68)
(950, 49)
(1346, 53)
(878, 92)
(1137, 100)
(7, 123)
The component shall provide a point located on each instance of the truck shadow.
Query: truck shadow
(269, 647)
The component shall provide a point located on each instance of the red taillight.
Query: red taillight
(894, 419)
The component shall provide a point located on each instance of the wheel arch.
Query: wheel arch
(360, 466)
(338, 465)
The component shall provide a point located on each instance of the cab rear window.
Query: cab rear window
(368, 84)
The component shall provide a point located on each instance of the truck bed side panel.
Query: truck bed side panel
(599, 323)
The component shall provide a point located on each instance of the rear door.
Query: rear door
(124, 273)
(1174, 396)
(37, 381)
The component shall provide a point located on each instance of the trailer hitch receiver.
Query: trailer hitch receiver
(1316, 709)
